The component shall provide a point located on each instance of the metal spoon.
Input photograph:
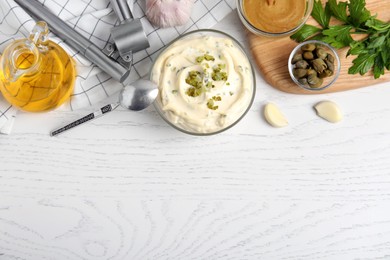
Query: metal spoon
(137, 96)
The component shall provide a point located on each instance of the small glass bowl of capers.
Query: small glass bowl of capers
(314, 65)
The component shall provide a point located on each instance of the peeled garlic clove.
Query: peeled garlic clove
(329, 111)
(273, 116)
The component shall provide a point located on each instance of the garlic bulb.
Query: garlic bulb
(168, 13)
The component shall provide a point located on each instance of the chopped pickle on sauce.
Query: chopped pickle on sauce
(194, 79)
(200, 82)
(210, 104)
(209, 57)
(206, 57)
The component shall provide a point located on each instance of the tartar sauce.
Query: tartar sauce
(205, 83)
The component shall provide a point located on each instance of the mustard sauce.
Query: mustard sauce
(275, 16)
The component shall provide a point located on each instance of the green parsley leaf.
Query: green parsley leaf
(377, 25)
(339, 10)
(356, 48)
(373, 51)
(307, 31)
(379, 67)
(376, 42)
(338, 36)
(358, 14)
(385, 53)
(321, 15)
(363, 63)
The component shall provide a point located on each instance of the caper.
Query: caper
(314, 81)
(330, 58)
(318, 84)
(311, 72)
(302, 64)
(303, 81)
(319, 65)
(308, 47)
(312, 65)
(319, 46)
(325, 74)
(321, 53)
(330, 65)
(308, 55)
(297, 57)
(299, 73)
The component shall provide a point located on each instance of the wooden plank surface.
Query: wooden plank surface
(271, 56)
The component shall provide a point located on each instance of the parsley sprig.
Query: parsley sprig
(373, 52)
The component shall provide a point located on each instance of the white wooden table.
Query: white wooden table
(128, 186)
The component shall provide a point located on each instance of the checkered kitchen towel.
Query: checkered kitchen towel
(94, 19)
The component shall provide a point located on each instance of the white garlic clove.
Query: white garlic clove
(329, 111)
(273, 116)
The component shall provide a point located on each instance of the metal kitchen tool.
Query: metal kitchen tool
(129, 36)
(118, 69)
(137, 96)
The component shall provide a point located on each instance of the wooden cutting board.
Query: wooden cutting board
(271, 56)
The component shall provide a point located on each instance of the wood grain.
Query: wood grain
(127, 186)
(272, 54)
(137, 230)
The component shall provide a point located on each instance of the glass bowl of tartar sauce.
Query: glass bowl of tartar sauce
(206, 82)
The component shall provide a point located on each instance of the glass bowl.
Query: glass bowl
(206, 82)
(277, 33)
(327, 81)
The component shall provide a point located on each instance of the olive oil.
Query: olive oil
(44, 89)
(35, 74)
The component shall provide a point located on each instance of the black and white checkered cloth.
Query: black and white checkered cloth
(94, 19)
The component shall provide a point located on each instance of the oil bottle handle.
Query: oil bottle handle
(39, 34)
